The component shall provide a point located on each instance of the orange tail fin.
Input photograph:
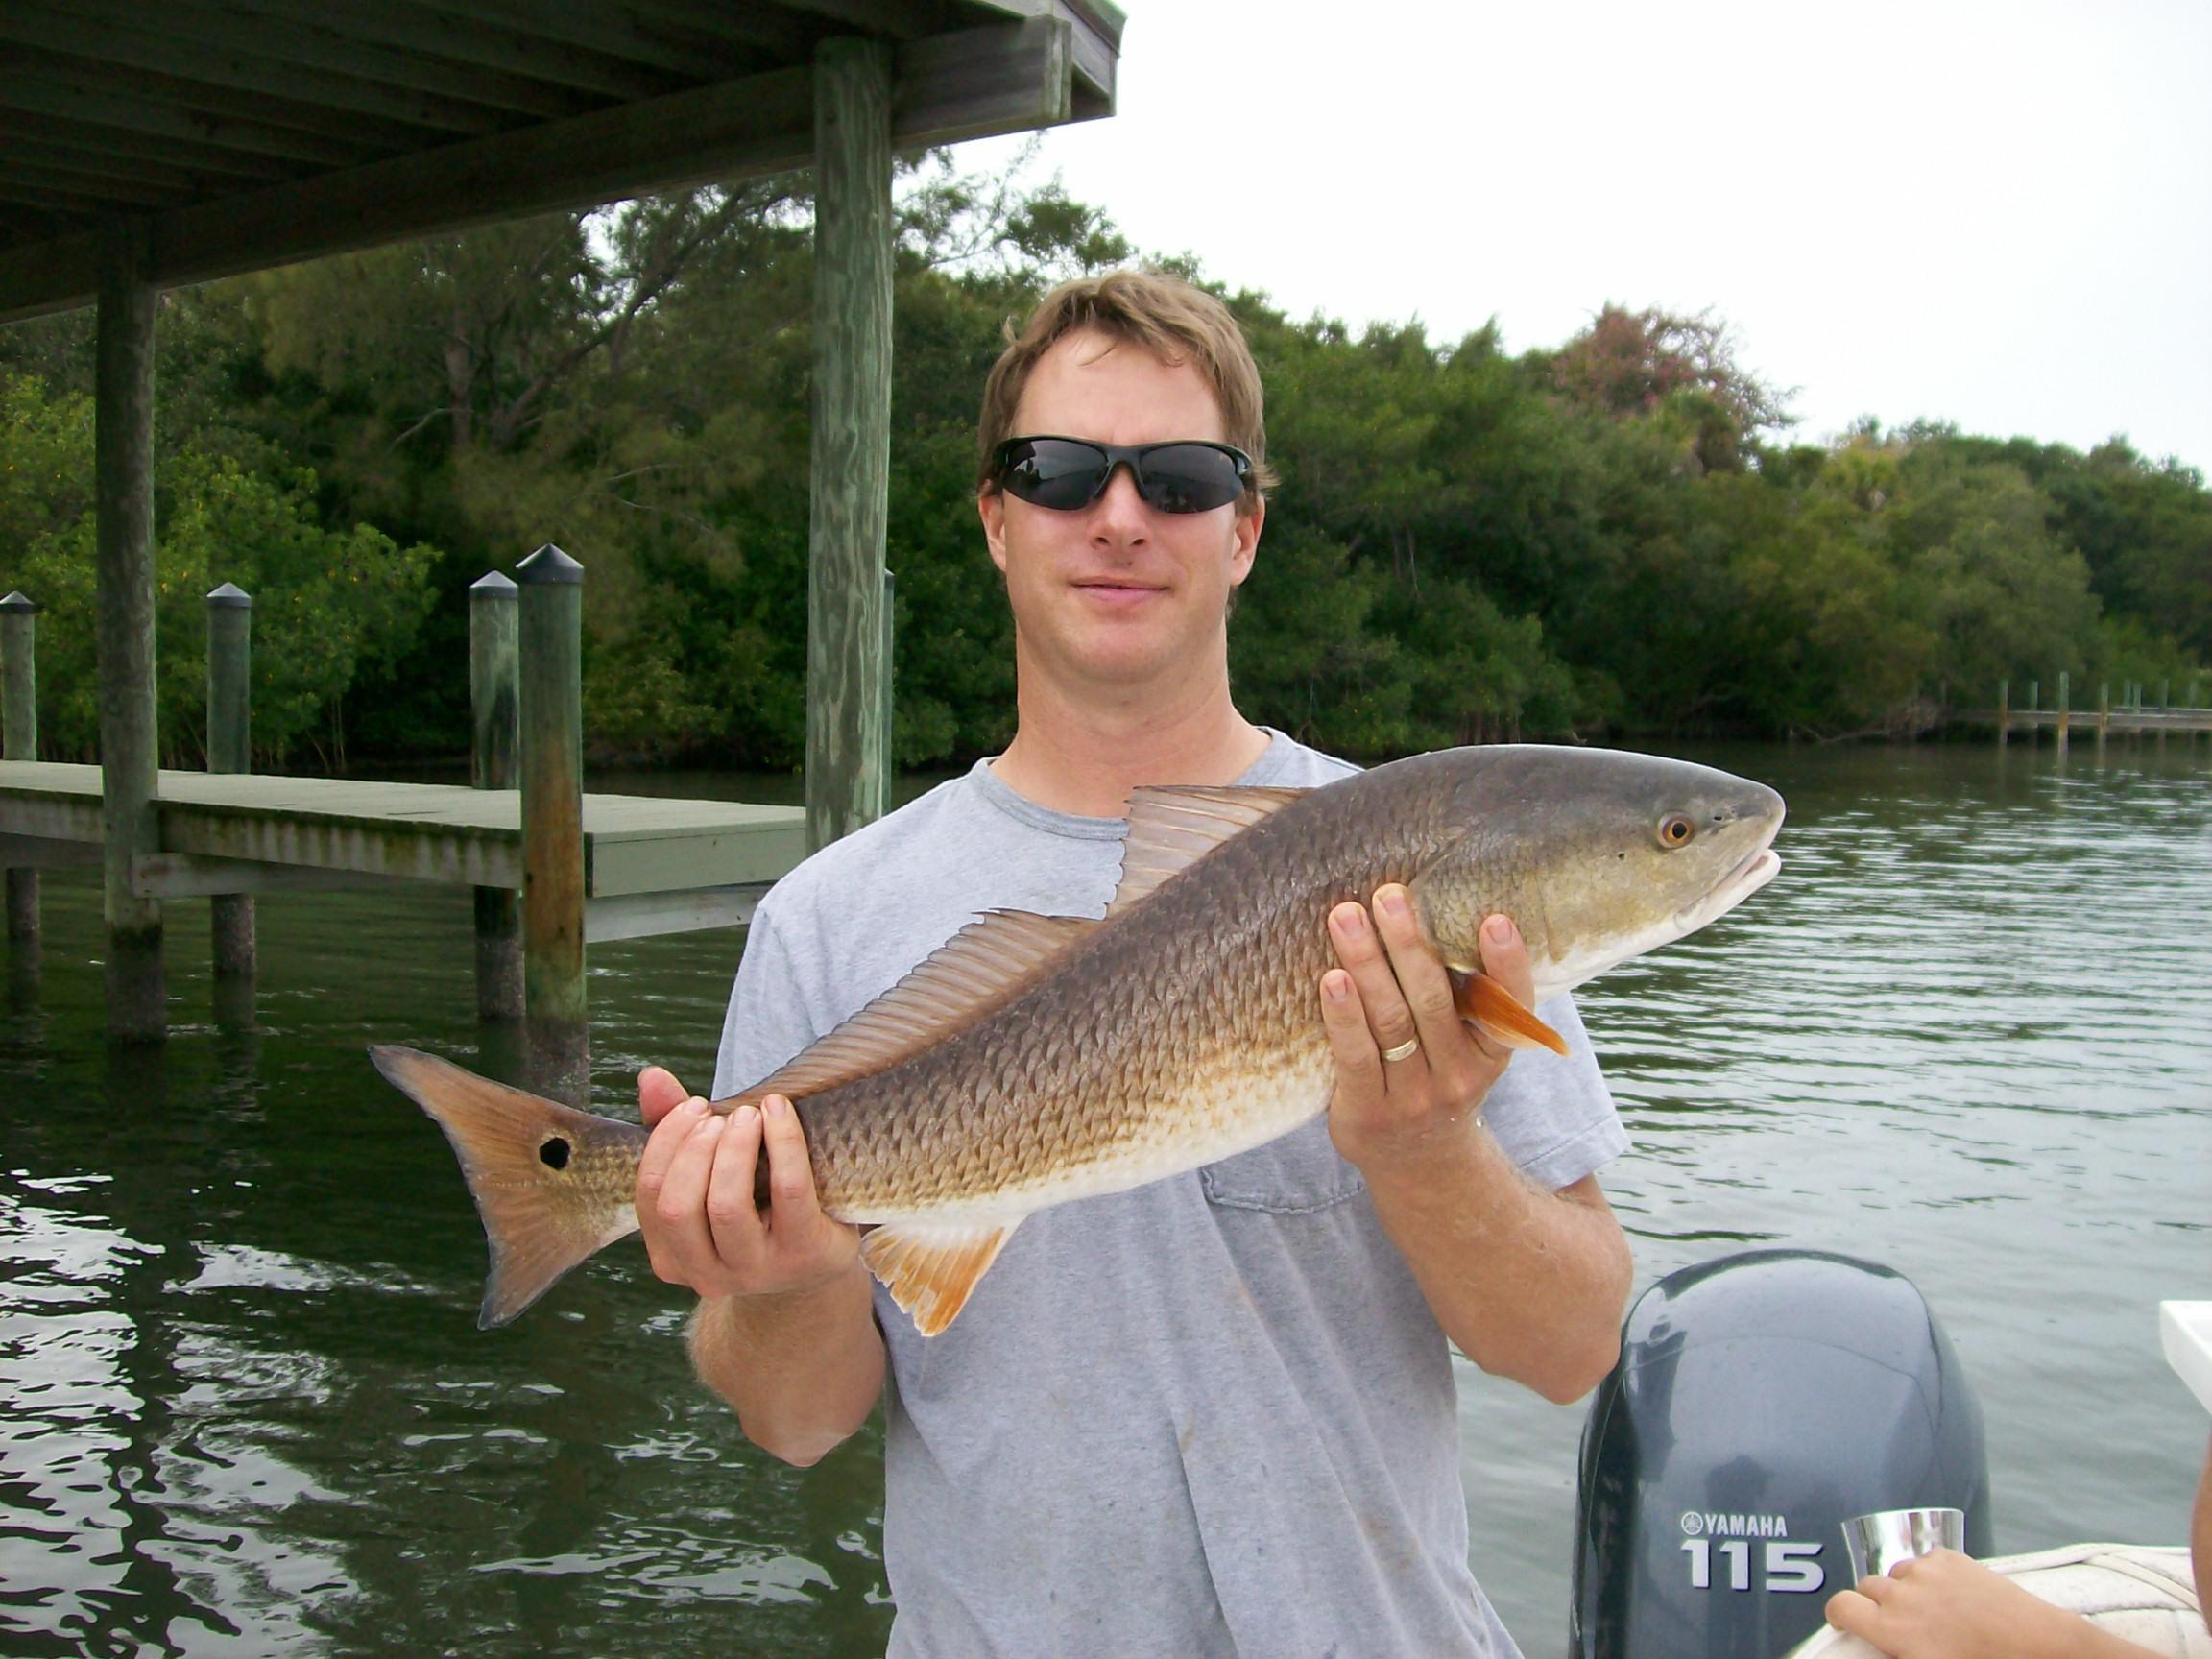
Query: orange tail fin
(552, 1185)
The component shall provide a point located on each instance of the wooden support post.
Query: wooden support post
(493, 698)
(2103, 714)
(230, 749)
(850, 455)
(123, 486)
(19, 741)
(551, 661)
(2065, 710)
(2003, 711)
(890, 700)
(2165, 708)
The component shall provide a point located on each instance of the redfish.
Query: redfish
(1032, 1060)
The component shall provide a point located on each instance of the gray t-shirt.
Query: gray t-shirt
(1212, 1415)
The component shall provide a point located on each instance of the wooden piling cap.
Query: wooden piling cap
(549, 564)
(19, 604)
(230, 597)
(493, 585)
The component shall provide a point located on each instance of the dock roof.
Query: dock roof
(256, 133)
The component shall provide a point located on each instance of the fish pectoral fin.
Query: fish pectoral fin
(932, 1267)
(1498, 1014)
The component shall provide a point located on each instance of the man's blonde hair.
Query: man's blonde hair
(1167, 316)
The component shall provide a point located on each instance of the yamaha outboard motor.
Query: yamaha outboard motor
(1761, 1401)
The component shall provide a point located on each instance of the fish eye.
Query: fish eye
(1677, 829)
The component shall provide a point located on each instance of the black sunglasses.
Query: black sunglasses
(1066, 474)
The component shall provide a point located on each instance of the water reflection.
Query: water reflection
(244, 1407)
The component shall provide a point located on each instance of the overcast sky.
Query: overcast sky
(1994, 215)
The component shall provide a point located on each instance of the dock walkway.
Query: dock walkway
(651, 865)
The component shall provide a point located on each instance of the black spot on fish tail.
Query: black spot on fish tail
(554, 1153)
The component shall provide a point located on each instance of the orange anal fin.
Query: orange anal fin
(1498, 1014)
(932, 1267)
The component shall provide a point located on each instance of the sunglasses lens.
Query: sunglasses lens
(1191, 479)
(1052, 472)
(1068, 473)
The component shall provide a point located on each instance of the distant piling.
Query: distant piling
(231, 750)
(496, 744)
(551, 664)
(19, 741)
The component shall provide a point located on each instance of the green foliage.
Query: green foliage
(1611, 537)
(329, 605)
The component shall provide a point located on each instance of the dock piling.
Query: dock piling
(854, 237)
(19, 741)
(496, 742)
(2065, 695)
(231, 750)
(890, 762)
(551, 702)
(2003, 711)
(123, 494)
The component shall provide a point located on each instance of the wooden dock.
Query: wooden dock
(2130, 718)
(652, 865)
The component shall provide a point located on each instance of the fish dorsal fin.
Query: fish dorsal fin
(1174, 827)
(932, 1267)
(981, 968)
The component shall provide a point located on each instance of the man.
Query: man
(1214, 1414)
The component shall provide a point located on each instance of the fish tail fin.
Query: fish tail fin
(552, 1185)
(1498, 1013)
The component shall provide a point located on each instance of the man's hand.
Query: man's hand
(1391, 991)
(695, 1198)
(1529, 1282)
(1947, 1606)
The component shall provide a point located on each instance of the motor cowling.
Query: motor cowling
(1760, 1401)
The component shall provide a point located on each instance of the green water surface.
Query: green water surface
(245, 1409)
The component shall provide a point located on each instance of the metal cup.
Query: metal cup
(1878, 1542)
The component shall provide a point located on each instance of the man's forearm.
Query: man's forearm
(1530, 1283)
(802, 1370)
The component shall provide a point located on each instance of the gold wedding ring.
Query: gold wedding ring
(1405, 1050)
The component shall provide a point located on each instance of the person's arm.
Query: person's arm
(785, 1330)
(1530, 1283)
(1946, 1606)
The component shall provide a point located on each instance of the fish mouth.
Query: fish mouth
(1760, 866)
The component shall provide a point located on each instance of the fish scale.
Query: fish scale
(1033, 1060)
(1060, 1100)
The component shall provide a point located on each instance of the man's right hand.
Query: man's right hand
(695, 1198)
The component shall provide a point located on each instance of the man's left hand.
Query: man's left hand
(1392, 996)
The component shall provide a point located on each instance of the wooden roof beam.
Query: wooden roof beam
(141, 99)
(23, 180)
(129, 154)
(488, 45)
(1007, 77)
(617, 32)
(214, 76)
(336, 44)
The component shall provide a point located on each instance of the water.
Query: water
(244, 1407)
